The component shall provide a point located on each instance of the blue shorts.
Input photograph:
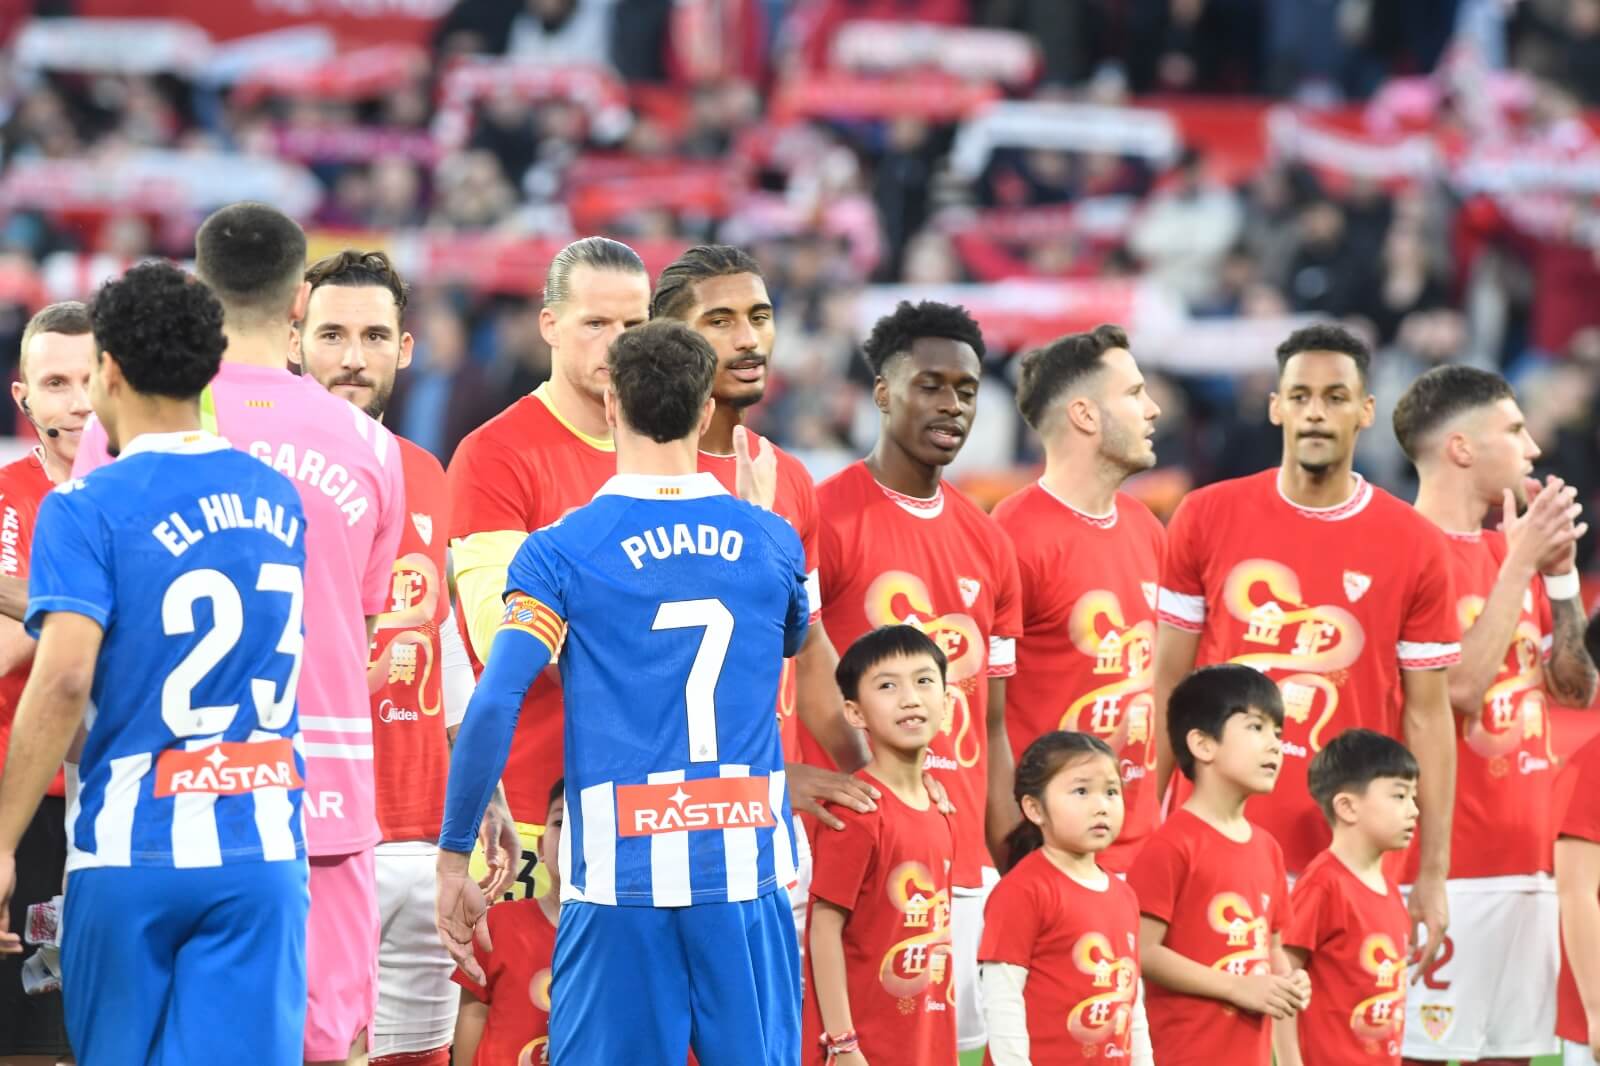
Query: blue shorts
(642, 985)
(165, 966)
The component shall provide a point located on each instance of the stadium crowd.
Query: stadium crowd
(1354, 237)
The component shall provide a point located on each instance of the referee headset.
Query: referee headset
(27, 412)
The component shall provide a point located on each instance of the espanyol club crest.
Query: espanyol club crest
(424, 524)
(1356, 585)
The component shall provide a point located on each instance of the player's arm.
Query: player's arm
(820, 704)
(1430, 734)
(47, 719)
(828, 974)
(472, 1018)
(502, 848)
(1005, 1012)
(482, 562)
(14, 597)
(1570, 675)
(1285, 1031)
(16, 647)
(1270, 994)
(1578, 886)
(1000, 814)
(1176, 651)
(1485, 643)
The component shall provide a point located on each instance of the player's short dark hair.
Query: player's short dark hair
(1050, 371)
(163, 327)
(1326, 337)
(252, 256)
(597, 253)
(879, 645)
(1439, 396)
(557, 791)
(896, 332)
(1353, 760)
(1207, 698)
(661, 373)
(1040, 762)
(69, 318)
(354, 267)
(674, 293)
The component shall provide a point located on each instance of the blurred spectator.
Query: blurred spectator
(1186, 229)
(443, 396)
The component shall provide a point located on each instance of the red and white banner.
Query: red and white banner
(355, 22)
(970, 53)
(1128, 131)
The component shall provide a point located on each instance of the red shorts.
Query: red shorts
(341, 954)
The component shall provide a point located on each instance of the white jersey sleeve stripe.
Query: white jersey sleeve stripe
(1180, 608)
(784, 857)
(741, 851)
(338, 751)
(316, 723)
(1002, 652)
(113, 826)
(669, 857)
(599, 806)
(1423, 656)
(814, 593)
(274, 815)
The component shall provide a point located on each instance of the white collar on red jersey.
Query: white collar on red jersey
(1098, 521)
(1348, 509)
(181, 442)
(917, 506)
(657, 487)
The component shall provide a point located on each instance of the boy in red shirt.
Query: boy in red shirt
(1212, 891)
(879, 986)
(507, 1018)
(1578, 885)
(1350, 930)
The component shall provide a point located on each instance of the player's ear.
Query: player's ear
(1033, 810)
(706, 413)
(1083, 414)
(853, 715)
(1344, 807)
(295, 355)
(1273, 414)
(611, 408)
(302, 301)
(880, 393)
(1458, 449)
(19, 394)
(1369, 409)
(407, 343)
(1202, 745)
(547, 325)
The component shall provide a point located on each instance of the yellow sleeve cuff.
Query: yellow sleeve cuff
(482, 561)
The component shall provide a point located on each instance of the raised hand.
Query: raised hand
(755, 476)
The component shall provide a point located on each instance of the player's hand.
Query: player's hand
(502, 849)
(755, 476)
(1267, 993)
(459, 909)
(1547, 535)
(936, 793)
(10, 940)
(1302, 984)
(1431, 908)
(811, 786)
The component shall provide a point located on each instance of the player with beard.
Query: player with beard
(353, 342)
(1522, 647)
(1090, 558)
(55, 362)
(719, 292)
(1336, 590)
(546, 454)
(899, 546)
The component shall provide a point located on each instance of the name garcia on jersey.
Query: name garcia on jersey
(664, 542)
(313, 468)
(220, 511)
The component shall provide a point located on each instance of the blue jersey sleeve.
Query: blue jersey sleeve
(71, 561)
(798, 618)
(535, 594)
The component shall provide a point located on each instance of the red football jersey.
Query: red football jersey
(1359, 941)
(516, 985)
(411, 751)
(946, 566)
(1222, 901)
(1332, 604)
(1086, 659)
(1505, 757)
(890, 868)
(1581, 821)
(796, 501)
(522, 470)
(1081, 950)
(23, 485)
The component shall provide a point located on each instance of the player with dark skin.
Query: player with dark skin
(928, 397)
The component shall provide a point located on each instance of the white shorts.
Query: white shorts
(966, 930)
(1576, 1054)
(1494, 993)
(416, 999)
(800, 891)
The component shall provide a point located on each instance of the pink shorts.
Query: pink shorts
(341, 954)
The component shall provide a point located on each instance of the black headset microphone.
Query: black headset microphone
(49, 431)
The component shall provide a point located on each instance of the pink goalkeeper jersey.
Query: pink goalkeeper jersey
(347, 469)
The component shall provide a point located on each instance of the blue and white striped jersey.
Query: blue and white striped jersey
(671, 606)
(191, 556)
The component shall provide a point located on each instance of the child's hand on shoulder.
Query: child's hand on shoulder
(1272, 995)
